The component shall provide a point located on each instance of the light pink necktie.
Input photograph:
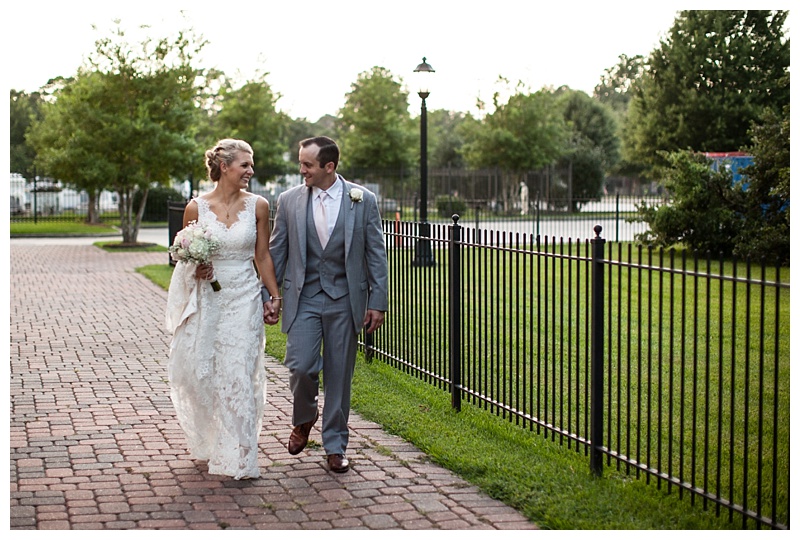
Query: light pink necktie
(321, 220)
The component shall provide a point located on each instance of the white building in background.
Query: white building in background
(19, 194)
(53, 198)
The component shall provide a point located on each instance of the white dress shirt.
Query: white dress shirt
(332, 203)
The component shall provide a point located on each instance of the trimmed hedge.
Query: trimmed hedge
(157, 198)
(447, 205)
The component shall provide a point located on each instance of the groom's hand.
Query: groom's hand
(272, 313)
(373, 320)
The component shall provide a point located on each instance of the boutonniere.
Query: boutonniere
(356, 195)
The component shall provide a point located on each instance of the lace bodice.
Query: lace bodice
(238, 240)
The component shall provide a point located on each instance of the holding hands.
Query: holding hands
(272, 306)
(272, 311)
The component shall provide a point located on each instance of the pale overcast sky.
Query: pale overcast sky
(314, 50)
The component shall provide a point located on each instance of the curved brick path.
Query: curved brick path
(95, 444)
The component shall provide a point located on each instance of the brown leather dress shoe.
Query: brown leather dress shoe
(338, 463)
(299, 436)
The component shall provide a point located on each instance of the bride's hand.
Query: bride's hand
(272, 311)
(205, 272)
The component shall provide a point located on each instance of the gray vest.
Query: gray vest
(325, 270)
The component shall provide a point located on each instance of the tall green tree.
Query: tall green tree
(527, 132)
(297, 130)
(208, 105)
(591, 121)
(445, 138)
(616, 84)
(24, 110)
(131, 115)
(593, 144)
(762, 200)
(68, 139)
(249, 113)
(710, 78)
(616, 88)
(375, 129)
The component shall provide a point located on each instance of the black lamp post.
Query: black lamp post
(423, 254)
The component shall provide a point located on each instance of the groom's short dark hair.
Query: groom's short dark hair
(328, 150)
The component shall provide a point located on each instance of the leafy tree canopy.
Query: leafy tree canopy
(710, 212)
(70, 140)
(375, 130)
(525, 133)
(711, 77)
(698, 216)
(25, 109)
(593, 145)
(763, 201)
(591, 124)
(616, 84)
(300, 128)
(616, 89)
(445, 138)
(126, 121)
(249, 113)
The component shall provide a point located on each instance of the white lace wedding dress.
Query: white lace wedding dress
(216, 371)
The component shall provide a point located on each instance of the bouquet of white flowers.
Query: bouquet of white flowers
(195, 244)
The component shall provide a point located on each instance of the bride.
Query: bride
(216, 374)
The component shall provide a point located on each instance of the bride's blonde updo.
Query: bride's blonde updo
(224, 152)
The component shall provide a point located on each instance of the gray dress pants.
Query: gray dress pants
(322, 338)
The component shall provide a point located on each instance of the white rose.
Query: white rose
(356, 195)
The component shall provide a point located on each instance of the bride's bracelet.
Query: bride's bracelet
(267, 297)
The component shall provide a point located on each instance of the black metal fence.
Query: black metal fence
(59, 205)
(542, 202)
(65, 205)
(664, 365)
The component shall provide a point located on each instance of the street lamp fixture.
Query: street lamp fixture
(423, 253)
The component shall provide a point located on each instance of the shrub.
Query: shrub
(712, 213)
(156, 207)
(699, 216)
(447, 205)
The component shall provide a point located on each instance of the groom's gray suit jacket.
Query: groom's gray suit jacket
(364, 250)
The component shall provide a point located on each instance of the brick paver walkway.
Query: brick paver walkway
(95, 443)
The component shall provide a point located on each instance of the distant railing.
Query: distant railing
(59, 206)
(662, 364)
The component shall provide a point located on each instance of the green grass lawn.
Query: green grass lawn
(525, 319)
(60, 227)
(160, 274)
(119, 247)
(76, 227)
(550, 483)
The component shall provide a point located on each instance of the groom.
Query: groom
(330, 257)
